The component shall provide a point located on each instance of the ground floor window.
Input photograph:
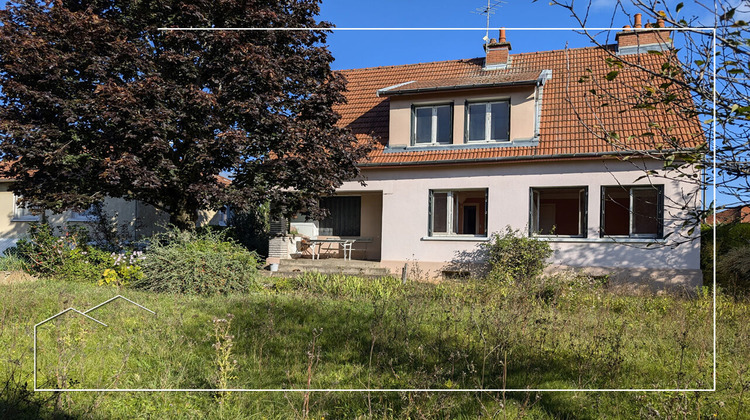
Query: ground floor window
(458, 212)
(633, 211)
(558, 211)
(344, 216)
(23, 213)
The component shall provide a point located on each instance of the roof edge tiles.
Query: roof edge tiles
(481, 82)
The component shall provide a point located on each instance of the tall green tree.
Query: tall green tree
(97, 102)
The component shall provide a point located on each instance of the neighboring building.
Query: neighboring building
(468, 147)
(740, 214)
(132, 218)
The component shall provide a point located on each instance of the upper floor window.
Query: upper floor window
(488, 121)
(633, 211)
(432, 124)
(22, 213)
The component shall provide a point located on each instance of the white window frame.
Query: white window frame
(487, 122)
(433, 125)
(22, 213)
(452, 208)
(86, 216)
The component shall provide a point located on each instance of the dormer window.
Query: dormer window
(431, 125)
(488, 121)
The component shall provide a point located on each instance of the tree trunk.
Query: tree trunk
(183, 218)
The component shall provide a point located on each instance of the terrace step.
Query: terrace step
(331, 266)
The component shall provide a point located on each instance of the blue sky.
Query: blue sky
(355, 49)
(375, 48)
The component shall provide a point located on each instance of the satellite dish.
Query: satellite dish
(486, 38)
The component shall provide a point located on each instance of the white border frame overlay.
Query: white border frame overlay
(713, 152)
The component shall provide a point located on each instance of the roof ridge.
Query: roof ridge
(593, 47)
(410, 64)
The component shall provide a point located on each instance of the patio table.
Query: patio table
(346, 244)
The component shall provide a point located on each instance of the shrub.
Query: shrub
(197, 263)
(45, 252)
(734, 269)
(513, 256)
(251, 228)
(729, 238)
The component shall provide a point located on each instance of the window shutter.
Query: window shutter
(413, 131)
(602, 198)
(660, 211)
(486, 212)
(430, 205)
(585, 212)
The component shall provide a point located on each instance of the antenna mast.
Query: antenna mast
(489, 10)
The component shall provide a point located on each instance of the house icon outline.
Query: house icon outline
(85, 314)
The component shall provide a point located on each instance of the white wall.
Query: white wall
(405, 211)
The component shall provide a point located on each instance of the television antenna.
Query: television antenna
(489, 10)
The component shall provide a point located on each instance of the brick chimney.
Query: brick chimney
(640, 39)
(498, 52)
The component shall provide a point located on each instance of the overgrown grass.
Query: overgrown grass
(344, 332)
(12, 263)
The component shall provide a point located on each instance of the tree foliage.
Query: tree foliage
(96, 102)
(688, 70)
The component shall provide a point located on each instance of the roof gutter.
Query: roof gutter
(511, 158)
(385, 92)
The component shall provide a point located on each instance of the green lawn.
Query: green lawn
(344, 332)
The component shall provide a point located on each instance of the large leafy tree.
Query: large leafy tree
(97, 102)
(689, 70)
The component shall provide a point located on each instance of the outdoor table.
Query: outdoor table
(346, 244)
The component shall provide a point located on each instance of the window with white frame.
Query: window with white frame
(432, 124)
(88, 215)
(633, 211)
(22, 213)
(559, 211)
(488, 121)
(458, 212)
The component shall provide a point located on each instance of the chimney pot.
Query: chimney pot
(502, 35)
(634, 41)
(493, 41)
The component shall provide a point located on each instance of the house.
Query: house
(467, 147)
(739, 214)
(133, 219)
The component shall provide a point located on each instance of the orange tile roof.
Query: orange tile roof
(562, 134)
(489, 79)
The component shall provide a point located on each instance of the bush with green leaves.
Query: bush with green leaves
(512, 256)
(197, 263)
(733, 268)
(251, 228)
(65, 253)
(46, 252)
(731, 238)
